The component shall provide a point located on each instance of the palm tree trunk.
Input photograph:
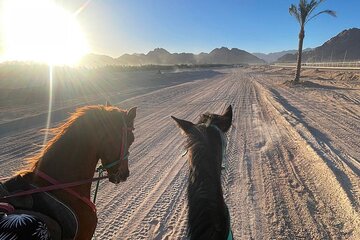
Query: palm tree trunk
(301, 41)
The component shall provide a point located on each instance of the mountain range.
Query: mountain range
(343, 47)
(273, 57)
(160, 56)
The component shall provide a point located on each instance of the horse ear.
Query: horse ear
(183, 124)
(225, 120)
(107, 104)
(228, 113)
(131, 114)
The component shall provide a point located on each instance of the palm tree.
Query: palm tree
(303, 13)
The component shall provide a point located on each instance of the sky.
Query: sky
(115, 27)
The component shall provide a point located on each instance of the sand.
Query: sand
(292, 168)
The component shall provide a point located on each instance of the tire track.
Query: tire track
(276, 182)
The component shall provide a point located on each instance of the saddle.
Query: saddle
(59, 218)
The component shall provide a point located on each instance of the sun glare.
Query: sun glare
(40, 30)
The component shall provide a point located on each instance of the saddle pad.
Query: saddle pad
(43, 203)
(23, 227)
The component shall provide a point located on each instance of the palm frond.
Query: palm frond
(313, 5)
(330, 12)
(294, 12)
(303, 8)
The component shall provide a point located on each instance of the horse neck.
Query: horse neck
(205, 167)
(205, 183)
(71, 158)
(205, 197)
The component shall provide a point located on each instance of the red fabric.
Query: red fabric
(86, 200)
(7, 208)
(55, 187)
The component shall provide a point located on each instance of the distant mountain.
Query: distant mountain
(217, 56)
(160, 56)
(344, 46)
(96, 60)
(134, 59)
(228, 56)
(273, 57)
(157, 56)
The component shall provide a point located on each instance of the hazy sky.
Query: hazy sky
(115, 27)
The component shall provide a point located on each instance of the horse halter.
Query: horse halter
(223, 141)
(122, 157)
(124, 146)
(222, 135)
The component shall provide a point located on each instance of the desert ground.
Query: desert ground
(293, 160)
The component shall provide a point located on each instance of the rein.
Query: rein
(53, 187)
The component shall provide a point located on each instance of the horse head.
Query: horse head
(115, 143)
(210, 128)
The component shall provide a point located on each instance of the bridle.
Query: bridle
(222, 135)
(123, 156)
(223, 141)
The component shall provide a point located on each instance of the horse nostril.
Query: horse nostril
(124, 177)
(113, 179)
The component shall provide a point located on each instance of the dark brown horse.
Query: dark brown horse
(90, 134)
(208, 214)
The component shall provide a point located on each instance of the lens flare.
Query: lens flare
(40, 30)
(48, 121)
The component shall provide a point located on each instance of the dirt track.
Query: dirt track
(292, 167)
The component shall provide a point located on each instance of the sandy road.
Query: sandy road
(283, 178)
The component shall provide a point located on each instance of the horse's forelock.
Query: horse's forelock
(199, 139)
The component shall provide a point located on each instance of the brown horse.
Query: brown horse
(209, 217)
(90, 134)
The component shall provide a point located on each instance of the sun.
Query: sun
(40, 30)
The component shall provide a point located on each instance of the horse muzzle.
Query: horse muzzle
(119, 177)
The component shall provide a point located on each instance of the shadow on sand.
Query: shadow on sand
(309, 84)
(321, 139)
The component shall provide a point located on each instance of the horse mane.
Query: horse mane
(206, 203)
(90, 113)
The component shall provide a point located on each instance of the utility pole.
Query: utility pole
(345, 56)
(332, 51)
